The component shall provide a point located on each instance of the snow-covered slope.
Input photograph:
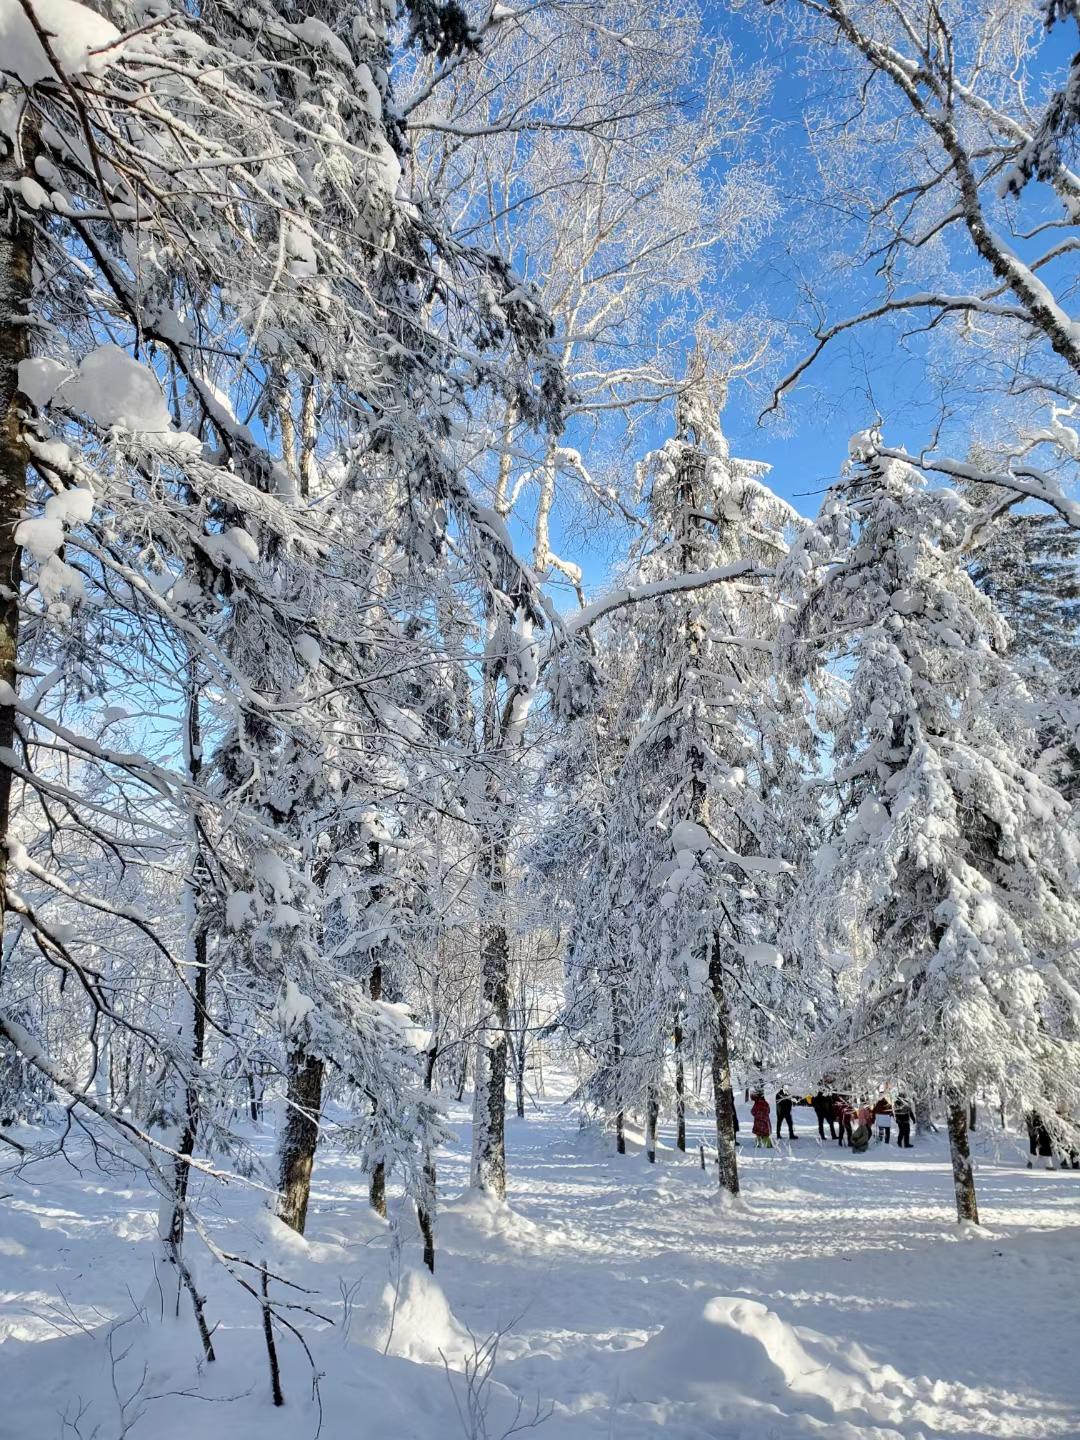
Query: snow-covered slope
(611, 1299)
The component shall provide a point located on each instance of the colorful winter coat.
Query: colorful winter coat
(762, 1117)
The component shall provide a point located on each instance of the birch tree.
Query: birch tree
(928, 184)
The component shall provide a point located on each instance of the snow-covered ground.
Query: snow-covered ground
(840, 1301)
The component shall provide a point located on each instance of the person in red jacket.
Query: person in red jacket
(762, 1126)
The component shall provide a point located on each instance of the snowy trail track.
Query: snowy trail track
(632, 1302)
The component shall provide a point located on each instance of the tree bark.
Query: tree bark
(489, 1094)
(616, 1060)
(299, 1138)
(723, 1097)
(425, 1210)
(963, 1174)
(195, 879)
(680, 1092)
(924, 1119)
(652, 1117)
(377, 1187)
(16, 277)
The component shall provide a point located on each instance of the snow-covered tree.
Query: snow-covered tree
(231, 500)
(949, 892)
(680, 896)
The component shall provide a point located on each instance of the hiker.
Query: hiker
(762, 1126)
(905, 1113)
(883, 1114)
(1038, 1139)
(844, 1115)
(824, 1104)
(860, 1136)
(783, 1113)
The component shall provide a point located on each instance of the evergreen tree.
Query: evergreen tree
(951, 883)
(680, 901)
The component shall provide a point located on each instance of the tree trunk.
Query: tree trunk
(963, 1175)
(616, 1061)
(377, 1188)
(519, 1085)
(972, 1114)
(16, 267)
(723, 1096)
(425, 1210)
(299, 1137)
(680, 1092)
(489, 1095)
(195, 881)
(924, 1120)
(652, 1116)
(186, 1147)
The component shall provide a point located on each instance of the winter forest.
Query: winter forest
(486, 869)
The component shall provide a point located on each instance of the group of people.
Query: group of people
(849, 1122)
(1041, 1144)
(853, 1123)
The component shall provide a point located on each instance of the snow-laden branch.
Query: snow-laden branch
(577, 623)
(1021, 478)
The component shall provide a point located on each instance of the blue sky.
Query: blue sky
(864, 375)
(844, 392)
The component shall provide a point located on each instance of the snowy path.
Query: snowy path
(887, 1323)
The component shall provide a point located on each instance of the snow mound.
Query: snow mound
(478, 1215)
(419, 1325)
(736, 1350)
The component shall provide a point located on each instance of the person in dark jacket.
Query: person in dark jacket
(824, 1105)
(904, 1114)
(1038, 1139)
(883, 1118)
(843, 1115)
(783, 1113)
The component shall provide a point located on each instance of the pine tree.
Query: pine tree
(684, 890)
(952, 879)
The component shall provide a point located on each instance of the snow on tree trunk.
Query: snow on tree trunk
(300, 1135)
(963, 1175)
(723, 1095)
(489, 1093)
(16, 265)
